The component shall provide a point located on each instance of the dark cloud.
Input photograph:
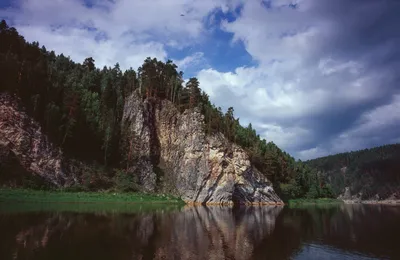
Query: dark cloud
(339, 63)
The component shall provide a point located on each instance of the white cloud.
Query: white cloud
(121, 31)
(193, 60)
(299, 76)
(267, 90)
(312, 153)
(308, 67)
(80, 44)
(285, 137)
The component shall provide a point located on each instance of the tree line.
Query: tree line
(367, 172)
(80, 107)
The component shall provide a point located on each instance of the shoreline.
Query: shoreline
(319, 201)
(63, 197)
(231, 204)
(372, 202)
(8, 195)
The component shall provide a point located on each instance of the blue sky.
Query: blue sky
(314, 76)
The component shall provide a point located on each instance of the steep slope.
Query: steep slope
(24, 147)
(201, 168)
(369, 174)
(133, 130)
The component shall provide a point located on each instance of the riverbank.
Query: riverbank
(22, 195)
(294, 202)
(385, 202)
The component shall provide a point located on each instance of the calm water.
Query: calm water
(84, 231)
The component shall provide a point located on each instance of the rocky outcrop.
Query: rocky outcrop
(142, 150)
(167, 150)
(22, 142)
(200, 168)
(348, 198)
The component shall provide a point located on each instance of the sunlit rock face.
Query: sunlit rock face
(160, 145)
(198, 167)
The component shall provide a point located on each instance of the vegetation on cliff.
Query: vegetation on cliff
(370, 173)
(80, 108)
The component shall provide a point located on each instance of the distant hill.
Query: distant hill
(369, 174)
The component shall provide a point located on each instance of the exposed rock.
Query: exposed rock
(160, 145)
(200, 168)
(21, 137)
(348, 198)
(139, 133)
(346, 194)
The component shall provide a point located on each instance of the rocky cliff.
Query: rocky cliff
(166, 149)
(200, 168)
(24, 147)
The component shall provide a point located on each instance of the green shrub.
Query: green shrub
(312, 193)
(125, 181)
(289, 191)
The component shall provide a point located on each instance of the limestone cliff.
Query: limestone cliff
(167, 150)
(22, 142)
(200, 168)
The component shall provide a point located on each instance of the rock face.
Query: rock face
(142, 145)
(348, 198)
(200, 168)
(22, 141)
(167, 150)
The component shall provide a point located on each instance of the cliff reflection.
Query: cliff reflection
(190, 233)
(334, 232)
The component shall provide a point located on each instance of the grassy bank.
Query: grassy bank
(22, 195)
(101, 208)
(320, 201)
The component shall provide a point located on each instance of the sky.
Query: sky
(316, 77)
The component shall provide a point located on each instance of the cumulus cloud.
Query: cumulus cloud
(194, 60)
(321, 65)
(80, 44)
(121, 31)
(326, 72)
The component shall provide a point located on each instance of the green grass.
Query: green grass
(320, 201)
(102, 208)
(23, 195)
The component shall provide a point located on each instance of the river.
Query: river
(95, 231)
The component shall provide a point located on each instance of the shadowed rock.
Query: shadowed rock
(200, 168)
(167, 150)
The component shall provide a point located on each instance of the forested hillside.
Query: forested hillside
(80, 107)
(370, 173)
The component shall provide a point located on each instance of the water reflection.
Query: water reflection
(339, 232)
